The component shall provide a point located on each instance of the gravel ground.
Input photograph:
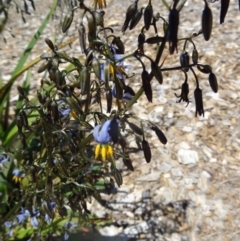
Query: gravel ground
(190, 190)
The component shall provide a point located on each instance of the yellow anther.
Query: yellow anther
(104, 153)
(110, 153)
(97, 151)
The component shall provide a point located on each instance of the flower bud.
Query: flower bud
(24, 118)
(118, 42)
(184, 60)
(206, 69)
(135, 128)
(162, 138)
(118, 177)
(109, 100)
(146, 151)
(213, 82)
(22, 92)
(84, 80)
(148, 15)
(67, 21)
(207, 22)
(141, 40)
(44, 66)
(172, 35)
(195, 56)
(82, 37)
(54, 112)
(131, 11)
(154, 40)
(199, 101)
(147, 85)
(50, 44)
(223, 10)
(136, 18)
(96, 67)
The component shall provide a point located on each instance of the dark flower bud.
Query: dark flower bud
(136, 18)
(44, 66)
(96, 67)
(22, 92)
(162, 138)
(118, 177)
(146, 151)
(199, 101)
(184, 60)
(128, 163)
(109, 100)
(84, 80)
(165, 27)
(50, 44)
(141, 40)
(206, 69)
(223, 10)
(24, 118)
(131, 11)
(154, 40)
(207, 21)
(82, 37)
(195, 56)
(172, 35)
(67, 21)
(40, 98)
(213, 82)
(184, 93)
(54, 112)
(113, 131)
(135, 128)
(148, 15)
(147, 85)
(99, 18)
(118, 42)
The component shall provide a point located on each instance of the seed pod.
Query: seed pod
(199, 102)
(82, 37)
(223, 10)
(136, 18)
(148, 15)
(213, 82)
(118, 177)
(154, 40)
(156, 72)
(22, 92)
(128, 163)
(184, 60)
(131, 11)
(172, 35)
(207, 22)
(96, 67)
(113, 131)
(135, 128)
(206, 69)
(109, 100)
(50, 44)
(162, 138)
(195, 56)
(147, 85)
(67, 21)
(146, 151)
(118, 42)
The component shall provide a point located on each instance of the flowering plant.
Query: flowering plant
(69, 152)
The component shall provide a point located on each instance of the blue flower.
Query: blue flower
(18, 175)
(101, 132)
(25, 214)
(51, 207)
(69, 226)
(9, 226)
(4, 158)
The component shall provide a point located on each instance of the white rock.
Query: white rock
(110, 231)
(150, 177)
(187, 157)
(177, 172)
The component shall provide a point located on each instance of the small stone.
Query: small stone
(150, 177)
(187, 157)
(177, 172)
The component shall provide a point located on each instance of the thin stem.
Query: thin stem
(195, 76)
